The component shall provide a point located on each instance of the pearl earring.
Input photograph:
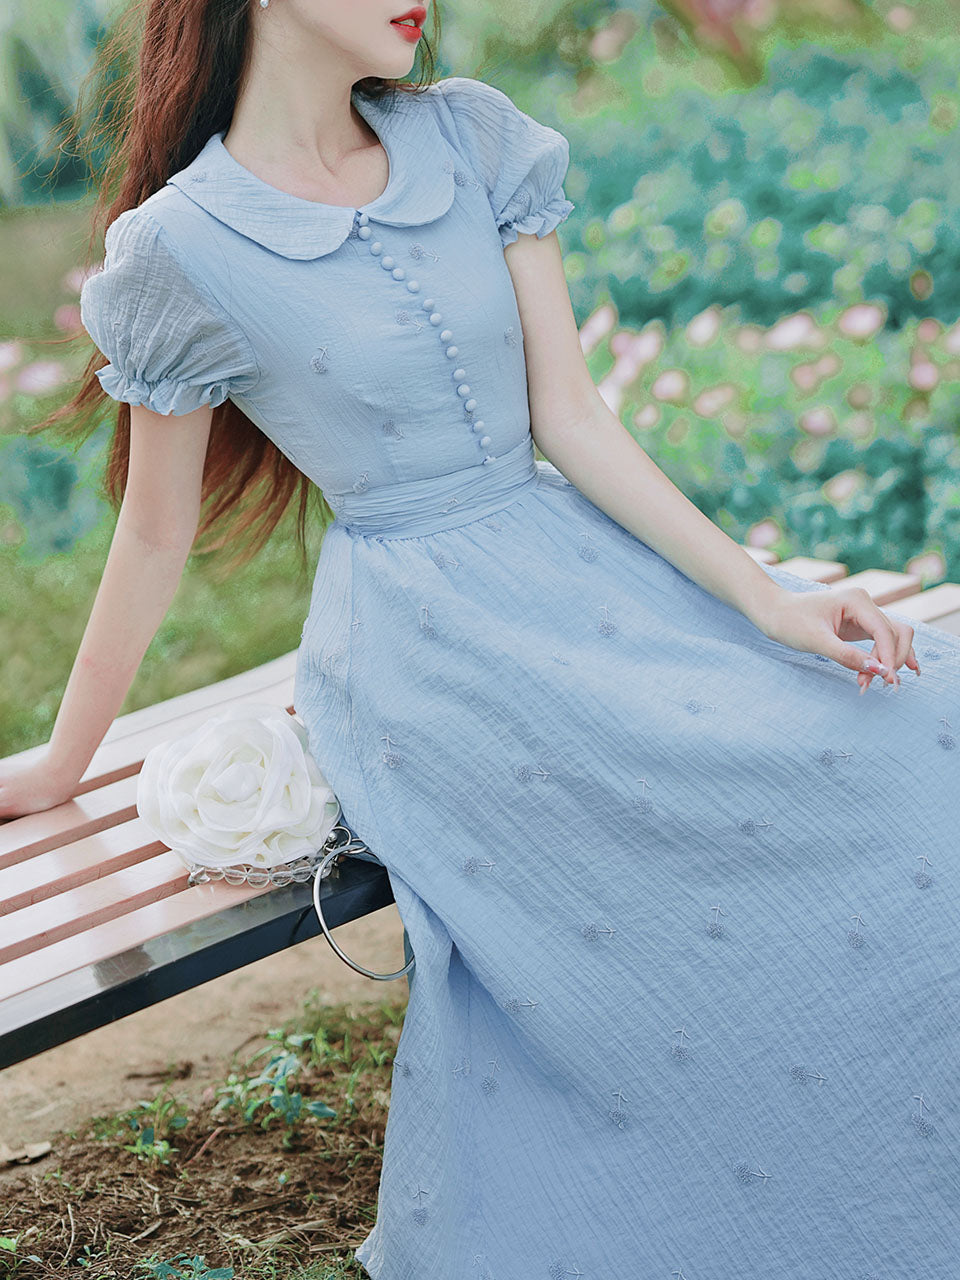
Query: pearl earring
(264, 3)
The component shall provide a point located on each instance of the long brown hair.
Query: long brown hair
(154, 115)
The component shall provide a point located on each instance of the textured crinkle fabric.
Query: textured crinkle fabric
(171, 346)
(683, 903)
(521, 161)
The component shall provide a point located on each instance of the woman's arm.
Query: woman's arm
(155, 529)
(575, 430)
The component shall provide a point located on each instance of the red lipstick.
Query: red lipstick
(410, 30)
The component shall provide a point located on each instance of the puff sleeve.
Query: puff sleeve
(521, 162)
(170, 344)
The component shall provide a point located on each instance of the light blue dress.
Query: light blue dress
(684, 905)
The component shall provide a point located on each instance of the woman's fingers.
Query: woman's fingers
(893, 640)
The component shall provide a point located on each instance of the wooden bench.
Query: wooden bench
(97, 918)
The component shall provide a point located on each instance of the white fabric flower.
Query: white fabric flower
(241, 789)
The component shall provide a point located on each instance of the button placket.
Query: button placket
(459, 374)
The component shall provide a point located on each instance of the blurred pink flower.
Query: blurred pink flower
(951, 340)
(862, 320)
(794, 332)
(749, 338)
(923, 375)
(930, 565)
(711, 400)
(703, 328)
(843, 485)
(929, 329)
(763, 534)
(41, 376)
(596, 327)
(805, 376)
(672, 385)
(67, 318)
(901, 18)
(819, 421)
(647, 417)
(11, 353)
(828, 364)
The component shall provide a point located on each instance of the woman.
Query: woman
(682, 904)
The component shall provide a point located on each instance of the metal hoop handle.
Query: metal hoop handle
(383, 977)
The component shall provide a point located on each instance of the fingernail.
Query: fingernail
(873, 665)
(917, 668)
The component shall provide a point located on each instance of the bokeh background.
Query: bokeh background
(763, 262)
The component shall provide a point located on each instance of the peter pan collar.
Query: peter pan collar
(420, 187)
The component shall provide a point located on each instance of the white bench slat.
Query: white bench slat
(33, 927)
(136, 928)
(84, 815)
(71, 865)
(813, 569)
(884, 585)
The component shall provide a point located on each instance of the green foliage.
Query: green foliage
(11, 1258)
(272, 1094)
(831, 180)
(182, 1267)
(153, 1122)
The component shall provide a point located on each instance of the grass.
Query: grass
(271, 1175)
(212, 630)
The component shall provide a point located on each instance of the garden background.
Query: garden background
(762, 260)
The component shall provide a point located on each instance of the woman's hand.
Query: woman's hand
(32, 788)
(823, 621)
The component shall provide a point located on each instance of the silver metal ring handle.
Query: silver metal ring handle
(383, 977)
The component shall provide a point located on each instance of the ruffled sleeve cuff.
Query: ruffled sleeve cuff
(166, 395)
(540, 222)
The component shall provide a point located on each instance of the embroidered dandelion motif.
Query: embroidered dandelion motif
(514, 1004)
(605, 626)
(443, 561)
(799, 1074)
(745, 1173)
(830, 757)
(523, 772)
(389, 757)
(403, 1068)
(557, 656)
(493, 525)
(944, 737)
(715, 928)
(922, 878)
(420, 252)
(854, 936)
(695, 706)
(510, 336)
(490, 1084)
(426, 626)
(391, 429)
(679, 1050)
(592, 931)
(464, 179)
(404, 317)
(749, 826)
(362, 483)
(585, 551)
(318, 362)
(199, 176)
(472, 865)
(420, 1213)
(643, 801)
(617, 1113)
(462, 1067)
(920, 1122)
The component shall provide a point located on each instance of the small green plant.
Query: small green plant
(182, 1267)
(152, 1122)
(11, 1259)
(272, 1095)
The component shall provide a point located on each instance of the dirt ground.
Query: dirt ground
(236, 1194)
(199, 1030)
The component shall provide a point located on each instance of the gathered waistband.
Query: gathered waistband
(412, 508)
